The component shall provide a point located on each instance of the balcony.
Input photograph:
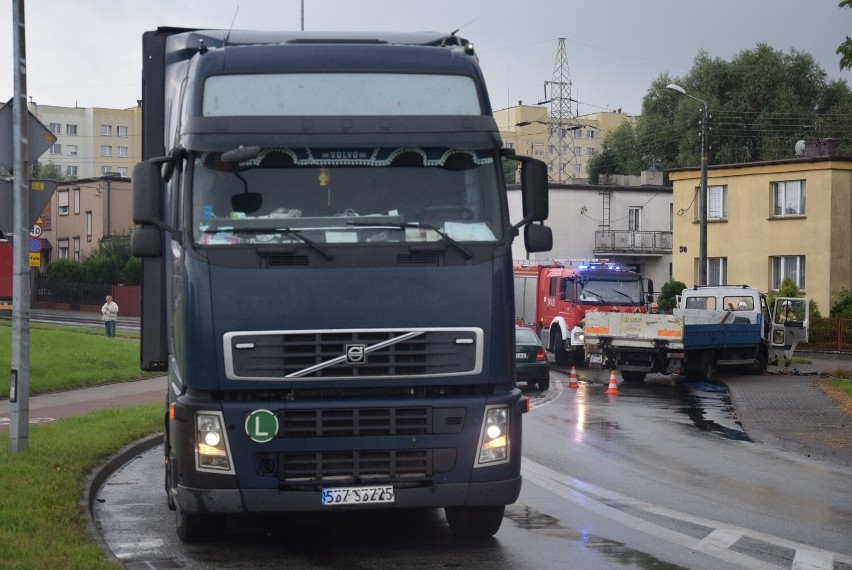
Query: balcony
(625, 241)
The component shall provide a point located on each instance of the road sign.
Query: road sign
(40, 193)
(35, 259)
(35, 231)
(35, 245)
(39, 137)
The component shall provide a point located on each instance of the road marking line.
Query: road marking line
(596, 499)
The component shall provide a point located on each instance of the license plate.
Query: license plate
(596, 358)
(357, 495)
(521, 355)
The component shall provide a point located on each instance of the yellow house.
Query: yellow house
(767, 221)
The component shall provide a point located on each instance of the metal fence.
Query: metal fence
(625, 241)
(829, 334)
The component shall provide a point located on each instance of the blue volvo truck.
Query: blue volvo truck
(327, 275)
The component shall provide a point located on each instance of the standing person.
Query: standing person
(110, 313)
(654, 308)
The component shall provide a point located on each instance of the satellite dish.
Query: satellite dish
(800, 148)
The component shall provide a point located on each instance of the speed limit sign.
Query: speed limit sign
(35, 231)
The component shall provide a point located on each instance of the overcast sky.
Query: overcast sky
(88, 52)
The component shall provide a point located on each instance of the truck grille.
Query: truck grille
(353, 354)
(355, 422)
(348, 466)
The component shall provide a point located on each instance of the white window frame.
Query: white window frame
(71, 170)
(590, 134)
(76, 200)
(106, 150)
(56, 148)
(121, 131)
(717, 196)
(122, 151)
(105, 170)
(717, 271)
(71, 130)
(634, 219)
(62, 202)
(792, 266)
(76, 242)
(88, 225)
(106, 130)
(55, 128)
(788, 198)
(71, 149)
(62, 245)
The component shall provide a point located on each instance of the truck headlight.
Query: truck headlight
(212, 452)
(494, 437)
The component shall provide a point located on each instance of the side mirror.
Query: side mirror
(146, 241)
(538, 237)
(534, 187)
(147, 192)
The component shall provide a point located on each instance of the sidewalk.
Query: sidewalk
(785, 408)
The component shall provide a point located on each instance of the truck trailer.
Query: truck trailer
(327, 275)
(725, 326)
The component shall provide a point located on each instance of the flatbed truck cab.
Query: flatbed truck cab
(327, 275)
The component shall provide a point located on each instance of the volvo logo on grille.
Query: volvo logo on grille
(356, 354)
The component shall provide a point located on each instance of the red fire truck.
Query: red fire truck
(553, 298)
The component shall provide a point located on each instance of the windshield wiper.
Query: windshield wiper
(632, 300)
(417, 225)
(289, 231)
(598, 295)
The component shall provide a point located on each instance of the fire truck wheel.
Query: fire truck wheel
(633, 376)
(193, 528)
(562, 356)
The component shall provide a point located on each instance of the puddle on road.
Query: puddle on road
(530, 519)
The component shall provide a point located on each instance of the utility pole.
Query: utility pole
(561, 118)
(19, 394)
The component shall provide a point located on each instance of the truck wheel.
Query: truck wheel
(562, 356)
(193, 528)
(633, 376)
(475, 522)
(708, 366)
(758, 367)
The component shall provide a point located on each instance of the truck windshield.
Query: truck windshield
(346, 196)
(609, 291)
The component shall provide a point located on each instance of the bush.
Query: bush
(132, 272)
(843, 307)
(65, 271)
(790, 289)
(669, 293)
(102, 270)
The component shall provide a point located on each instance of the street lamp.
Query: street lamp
(702, 188)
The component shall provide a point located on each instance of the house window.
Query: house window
(72, 149)
(510, 145)
(590, 151)
(56, 148)
(76, 200)
(76, 242)
(62, 203)
(122, 171)
(106, 130)
(71, 130)
(122, 131)
(62, 244)
(106, 170)
(71, 170)
(792, 266)
(56, 128)
(122, 151)
(577, 169)
(717, 202)
(106, 150)
(634, 219)
(788, 198)
(717, 271)
(578, 134)
(88, 225)
(590, 134)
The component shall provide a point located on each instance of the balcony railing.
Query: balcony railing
(625, 241)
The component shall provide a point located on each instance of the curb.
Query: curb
(95, 480)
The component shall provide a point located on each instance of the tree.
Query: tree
(618, 154)
(845, 49)
(65, 271)
(102, 270)
(843, 307)
(49, 171)
(116, 246)
(761, 102)
(790, 289)
(668, 294)
(132, 272)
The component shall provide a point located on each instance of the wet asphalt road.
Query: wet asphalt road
(660, 476)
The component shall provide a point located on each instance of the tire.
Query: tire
(633, 376)
(544, 385)
(758, 367)
(708, 366)
(560, 355)
(194, 528)
(475, 522)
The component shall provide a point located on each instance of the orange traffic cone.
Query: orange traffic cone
(613, 389)
(572, 379)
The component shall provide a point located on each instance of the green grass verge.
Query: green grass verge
(62, 358)
(41, 525)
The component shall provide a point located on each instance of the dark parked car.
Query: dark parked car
(531, 364)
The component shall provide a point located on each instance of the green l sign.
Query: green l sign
(261, 426)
